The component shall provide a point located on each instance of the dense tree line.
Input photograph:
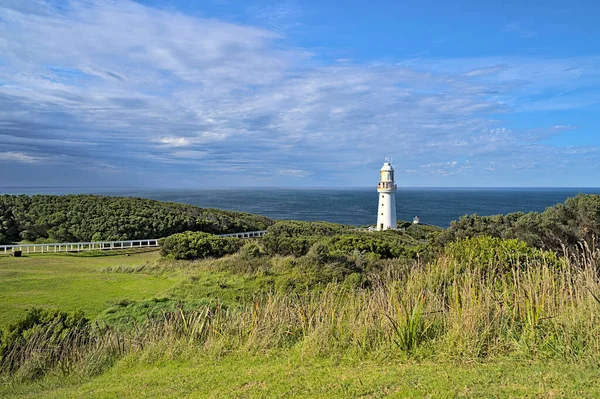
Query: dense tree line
(94, 217)
(560, 226)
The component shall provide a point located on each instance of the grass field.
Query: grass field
(100, 281)
(75, 281)
(239, 354)
(287, 375)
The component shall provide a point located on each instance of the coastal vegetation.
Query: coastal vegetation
(69, 218)
(559, 227)
(500, 306)
(197, 245)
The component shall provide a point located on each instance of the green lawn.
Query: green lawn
(75, 281)
(239, 376)
(93, 282)
(78, 281)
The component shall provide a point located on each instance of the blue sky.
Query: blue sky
(173, 93)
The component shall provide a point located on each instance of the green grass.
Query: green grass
(75, 281)
(228, 287)
(280, 375)
(528, 331)
(195, 288)
(114, 285)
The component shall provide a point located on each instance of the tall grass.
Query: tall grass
(538, 307)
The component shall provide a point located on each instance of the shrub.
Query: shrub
(384, 245)
(41, 339)
(559, 226)
(28, 235)
(355, 280)
(421, 231)
(319, 252)
(296, 228)
(306, 273)
(250, 251)
(496, 254)
(285, 246)
(291, 237)
(197, 245)
(322, 241)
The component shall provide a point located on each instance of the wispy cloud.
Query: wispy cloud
(295, 172)
(140, 88)
(485, 71)
(175, 141)
(20, 157)
(281, 17)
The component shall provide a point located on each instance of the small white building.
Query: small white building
(416, 220)
(386, 215)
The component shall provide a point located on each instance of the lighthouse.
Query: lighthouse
(386, 216)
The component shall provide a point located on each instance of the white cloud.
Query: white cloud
(175, 141)
(294, 173)
(491, 70)
(20, 157)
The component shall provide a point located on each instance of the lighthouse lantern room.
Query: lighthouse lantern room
(386, 216)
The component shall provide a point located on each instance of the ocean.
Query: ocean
(355, 206)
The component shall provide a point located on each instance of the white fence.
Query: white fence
(101, 245)
(77, 246)
(248, 234)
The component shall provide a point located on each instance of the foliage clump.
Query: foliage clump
(292, 237)
(250, 251)
(40, 340)
(198, 245)
(497, 255)
(558, 227)
(384, 245)
(332, 240)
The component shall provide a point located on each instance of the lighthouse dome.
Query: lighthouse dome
(387, 167)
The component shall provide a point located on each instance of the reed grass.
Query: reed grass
(450, 308)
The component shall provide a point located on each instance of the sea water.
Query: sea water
(355, 206)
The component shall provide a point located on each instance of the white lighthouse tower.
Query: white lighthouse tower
(386, 216)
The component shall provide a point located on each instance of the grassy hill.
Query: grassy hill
(75, 281)
(338, 341)
(314, 310)
(72, 218)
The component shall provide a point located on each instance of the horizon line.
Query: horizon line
(129, 188)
